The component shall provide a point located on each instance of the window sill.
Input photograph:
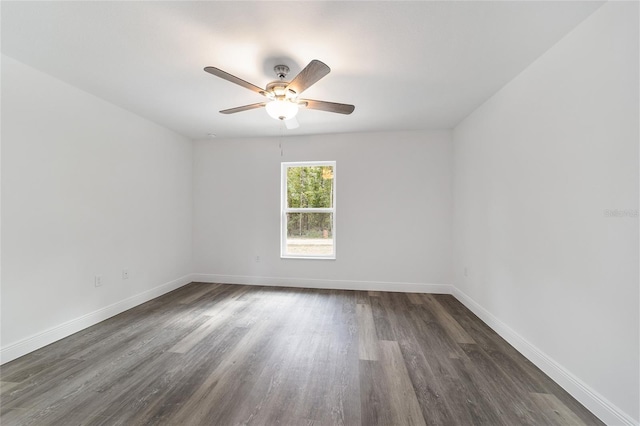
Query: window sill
(308, 257)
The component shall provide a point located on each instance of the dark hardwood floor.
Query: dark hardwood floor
(212, 354)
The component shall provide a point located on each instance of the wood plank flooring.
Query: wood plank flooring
(215, 354)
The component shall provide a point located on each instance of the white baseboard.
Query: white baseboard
(402, 287)
(68, 328)
(592, 400)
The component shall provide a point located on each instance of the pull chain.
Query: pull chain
(281, 136)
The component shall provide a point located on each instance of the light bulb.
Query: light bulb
(281, 109)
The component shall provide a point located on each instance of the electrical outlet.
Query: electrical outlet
(97, 281)
(257, 259)
(466, 271)
(125, 274)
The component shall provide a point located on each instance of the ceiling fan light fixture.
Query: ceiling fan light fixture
(281, 109)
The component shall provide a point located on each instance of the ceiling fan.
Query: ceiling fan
(283, 101)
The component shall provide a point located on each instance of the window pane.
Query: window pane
(310, 186)
(310, 233)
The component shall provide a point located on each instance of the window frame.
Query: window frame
(284, 209)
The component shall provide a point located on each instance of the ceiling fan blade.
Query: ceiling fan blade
(291, 123)
(242, 108)
(308, 76)
(232, 78)
(327, 106)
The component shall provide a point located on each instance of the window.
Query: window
(308, 210)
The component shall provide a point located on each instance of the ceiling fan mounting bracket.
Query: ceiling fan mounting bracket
(281, 71)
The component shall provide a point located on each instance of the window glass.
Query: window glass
(310, 186)
(308, 210)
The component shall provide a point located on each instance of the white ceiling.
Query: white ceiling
(404, 65)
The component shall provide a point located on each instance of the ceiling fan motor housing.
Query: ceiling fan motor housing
(278, 90)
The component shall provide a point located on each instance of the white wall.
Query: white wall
(535, 169)
(87, 189)
(393, 216)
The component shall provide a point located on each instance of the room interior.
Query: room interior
(492, 156)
